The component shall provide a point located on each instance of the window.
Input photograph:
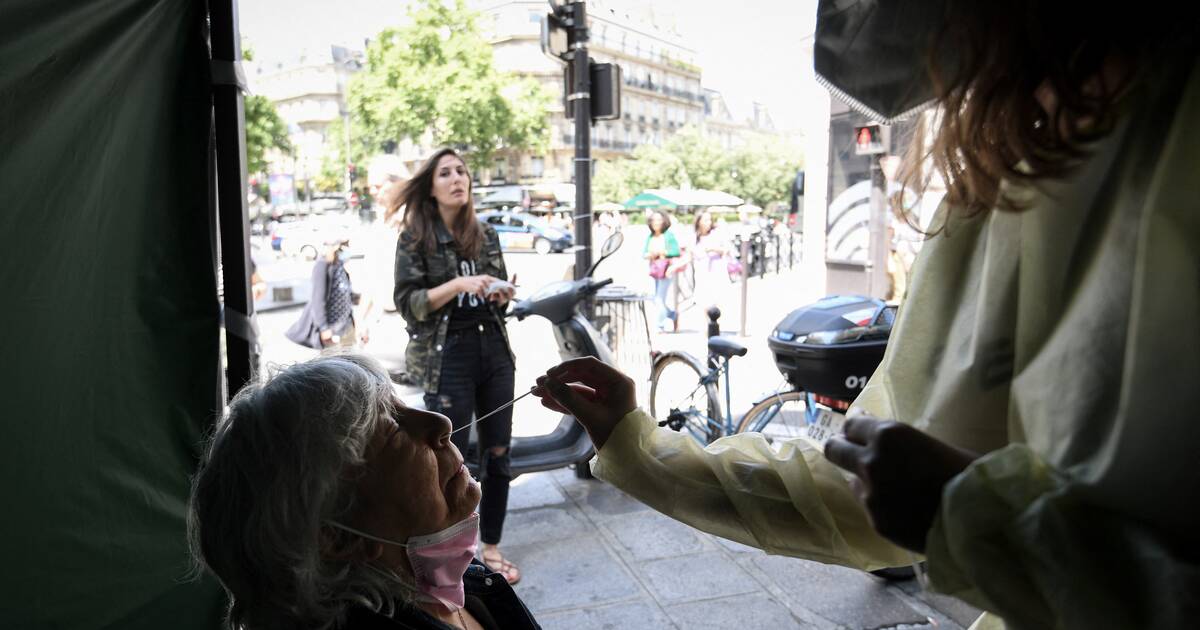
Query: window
(537, 165)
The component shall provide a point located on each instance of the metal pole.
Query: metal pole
(229, 122)
(878, 276)
(581, 96)
(346, 141)
(745, 285)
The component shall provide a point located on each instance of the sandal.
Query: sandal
(501, 565)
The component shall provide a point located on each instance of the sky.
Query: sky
(748, 49)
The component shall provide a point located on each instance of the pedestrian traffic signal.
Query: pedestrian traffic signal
(868, 140)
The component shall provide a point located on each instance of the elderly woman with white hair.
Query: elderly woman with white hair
(323, 502)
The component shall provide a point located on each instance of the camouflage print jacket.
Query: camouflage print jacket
(416, 273)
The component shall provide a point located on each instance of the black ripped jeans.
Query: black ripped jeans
(477, 377)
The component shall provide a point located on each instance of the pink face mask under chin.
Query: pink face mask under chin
(438, 560)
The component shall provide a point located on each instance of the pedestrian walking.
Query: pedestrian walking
(661, 250)
(328, 318)
(451, 288)
(711, 262)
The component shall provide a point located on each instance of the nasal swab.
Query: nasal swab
(493, 412)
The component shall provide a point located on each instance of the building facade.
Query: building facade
(662, 92)
(661, 95)
(309, 92)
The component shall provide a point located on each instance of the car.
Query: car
(305, 237)
(523, 231)
(288, 283)
(329, 202)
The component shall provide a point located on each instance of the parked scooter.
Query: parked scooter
(559, 302)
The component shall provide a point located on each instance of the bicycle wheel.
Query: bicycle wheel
(778, 417)
(680, 398)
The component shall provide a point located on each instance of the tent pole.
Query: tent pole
(233, 222)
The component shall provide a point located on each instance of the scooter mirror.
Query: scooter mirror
(612, 244)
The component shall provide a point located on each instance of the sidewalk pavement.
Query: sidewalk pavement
(592, 557)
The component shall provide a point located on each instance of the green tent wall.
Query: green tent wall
(109, 362)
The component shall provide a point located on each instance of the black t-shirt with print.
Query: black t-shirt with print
(470, 310)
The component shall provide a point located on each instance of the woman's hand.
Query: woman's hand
(597, 394)
(473, 284)
(902, 472)
(503, 291)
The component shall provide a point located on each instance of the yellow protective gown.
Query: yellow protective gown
(1062, 341)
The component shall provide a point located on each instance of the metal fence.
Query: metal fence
(622, 319)
(769, 252)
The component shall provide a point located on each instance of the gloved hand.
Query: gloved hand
(597, 394)
(901, 471)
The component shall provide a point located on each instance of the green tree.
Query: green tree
(708, 165)
(436, 75)
(610, 183)
(264, 128)
(765, 170)
(654, 167)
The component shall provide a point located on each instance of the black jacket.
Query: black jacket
(489, 599)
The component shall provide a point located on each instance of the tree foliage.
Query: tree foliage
(759, 172)
(436, 76)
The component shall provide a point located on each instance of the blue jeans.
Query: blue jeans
(663, 312)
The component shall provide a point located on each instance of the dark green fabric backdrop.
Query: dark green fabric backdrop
(109, 312)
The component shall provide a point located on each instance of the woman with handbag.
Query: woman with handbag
(661, 250)
(328, 318)
(452, 288)
(714, 266)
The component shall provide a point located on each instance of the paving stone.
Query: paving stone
(529, 527)
(734, 546)
(955, 610)
(601, 501)
(755, 610)
(534, 490)
(633, 615)
(570, 573)
(698, 576)
(847, 597)
(649, 535)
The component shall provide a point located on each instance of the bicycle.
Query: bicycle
(684, 396)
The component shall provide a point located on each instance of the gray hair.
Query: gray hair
(277, 467)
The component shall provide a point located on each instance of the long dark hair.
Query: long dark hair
(421, 212)
(712, 224)
(666, 222)
(991, 125)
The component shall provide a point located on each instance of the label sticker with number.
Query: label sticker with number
(827, 424)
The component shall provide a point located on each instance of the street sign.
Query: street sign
(605, 93)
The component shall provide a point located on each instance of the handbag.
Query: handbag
(733, 267)
(658, 268)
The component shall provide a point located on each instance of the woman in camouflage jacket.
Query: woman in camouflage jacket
(451, 288)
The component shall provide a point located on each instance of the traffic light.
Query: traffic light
(352, 171)
(605, 90)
